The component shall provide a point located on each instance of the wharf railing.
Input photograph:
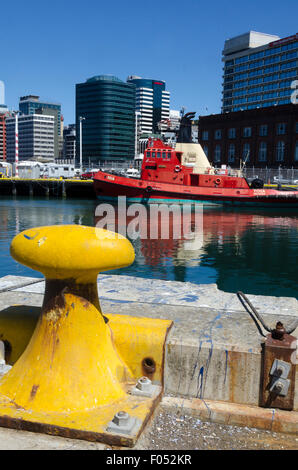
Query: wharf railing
(272, 175)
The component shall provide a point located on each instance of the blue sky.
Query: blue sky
(48, 47)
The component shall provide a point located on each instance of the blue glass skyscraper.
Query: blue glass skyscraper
(108, 130)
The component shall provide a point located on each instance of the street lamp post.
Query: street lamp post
(81, 147)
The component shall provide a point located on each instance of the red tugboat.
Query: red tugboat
(184, 174)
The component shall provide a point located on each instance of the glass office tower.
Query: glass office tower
(108, 130)
(258, 71)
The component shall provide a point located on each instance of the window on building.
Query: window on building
(281, 128)
(272, 51)
(247, 132)
(206, 150)
(257, 55)
(231, 153)
(280, 151)
(263, 130)
(241, 60)
(263, 152)
(296, 152)
(205, 135)
(217, 154)
(246, 152)
(254, 98)
(217, 134)
(232, 133)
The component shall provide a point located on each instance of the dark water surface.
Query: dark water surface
(238, 249)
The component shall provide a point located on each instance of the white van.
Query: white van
(55, 170)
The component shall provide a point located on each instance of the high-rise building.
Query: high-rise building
(36, 137)
(259, 70)
(3, 111)
(152, 102)
(31, 105)
(2, 134)
(107, 105)
(69, 142)
(61, 139)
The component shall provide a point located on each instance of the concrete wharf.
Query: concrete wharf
(213, 352)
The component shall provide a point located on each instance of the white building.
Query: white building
(36, 137)
(152, 102)
(259, 70)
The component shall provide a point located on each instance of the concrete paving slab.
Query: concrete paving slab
(13, 282)
(155, 291)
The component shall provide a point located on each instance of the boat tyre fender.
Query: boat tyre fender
(218, 181)
(177, 168)
(257, 183)
(148, 189)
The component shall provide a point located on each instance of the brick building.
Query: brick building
(265, 137)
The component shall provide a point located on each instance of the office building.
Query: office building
(3, 111)
(259, 70)
(107, 105)
(61, 139)
(265, 137)
(2, 135)
(32, 105)
(3, 114)
(152, 102)
(69, 142)
(36, 137)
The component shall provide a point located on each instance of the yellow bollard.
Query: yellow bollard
(78, 376)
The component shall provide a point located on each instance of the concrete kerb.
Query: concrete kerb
(234, 414)
(213, 352)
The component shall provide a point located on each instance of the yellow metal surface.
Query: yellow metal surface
(78, 368)
(71, 251)
(138, 340)
(75, 364)
(44, 180)
(75, 392)
(17, 324)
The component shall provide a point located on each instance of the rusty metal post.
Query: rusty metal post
(278, 369)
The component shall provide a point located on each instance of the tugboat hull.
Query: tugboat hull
(109, 187)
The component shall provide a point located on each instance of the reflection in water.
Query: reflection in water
(22, 213)
(250, 250)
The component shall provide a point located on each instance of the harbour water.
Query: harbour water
(238, 249)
